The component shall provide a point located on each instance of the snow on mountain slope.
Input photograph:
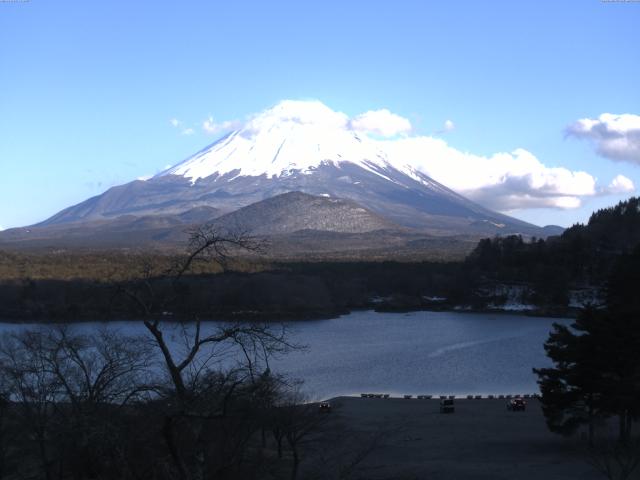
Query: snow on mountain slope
(300, 146)
(292, 136)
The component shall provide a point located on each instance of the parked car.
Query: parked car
(447, 405)
(324, 407)
(517, 405)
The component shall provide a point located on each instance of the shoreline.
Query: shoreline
(291, 316)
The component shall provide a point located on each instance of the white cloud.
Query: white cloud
(211, 127)
(144, 178)
(180, 125)
(381, 122)
(447, 126)
(297, 111)
(1, 228)
(502, 181)
(620, 184)
(614, 136)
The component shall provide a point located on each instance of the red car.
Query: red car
(517, 405)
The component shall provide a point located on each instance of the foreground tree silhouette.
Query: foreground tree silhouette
(211, 373)
(63, 389)
(622, 372)
(572, 391)
(597, 364)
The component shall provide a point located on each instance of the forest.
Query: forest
(72, 287)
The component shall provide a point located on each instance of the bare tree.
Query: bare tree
(97, 369)
(5, 440)
(63, 389)
(298, 422)
(208, 365)
(256, 342)
(211, 243)
(34, 391)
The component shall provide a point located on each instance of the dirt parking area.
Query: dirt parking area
(481, 440)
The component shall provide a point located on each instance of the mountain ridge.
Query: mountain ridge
(295, 147)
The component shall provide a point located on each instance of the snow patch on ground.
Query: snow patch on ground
(582, 297)
(434, 299)
(513, 307)
(514, 296)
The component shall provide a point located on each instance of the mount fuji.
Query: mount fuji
(296, 146)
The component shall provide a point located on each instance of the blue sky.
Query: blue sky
(88, 89)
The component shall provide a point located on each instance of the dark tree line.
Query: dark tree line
(582, 254)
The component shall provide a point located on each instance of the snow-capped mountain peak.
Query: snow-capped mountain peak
(292, 136)
(298, 147)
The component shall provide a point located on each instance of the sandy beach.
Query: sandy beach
(481, 440)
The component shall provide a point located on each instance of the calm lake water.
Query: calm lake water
(409, 353)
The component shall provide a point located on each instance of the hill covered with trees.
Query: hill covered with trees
(582, 257)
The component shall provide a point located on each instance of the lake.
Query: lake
(433, 353)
